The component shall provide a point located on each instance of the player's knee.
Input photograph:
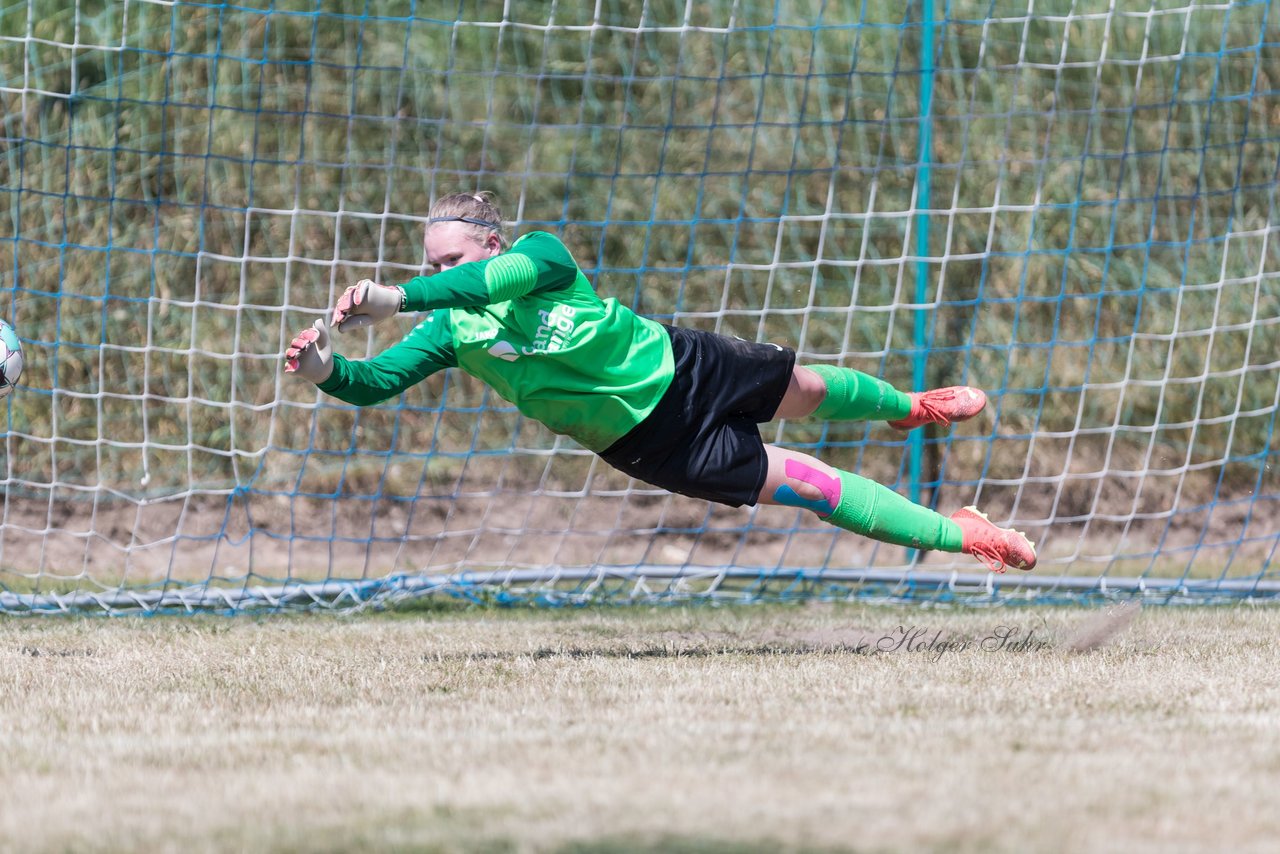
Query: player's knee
(808, 488)
(805, 497)
(809, 388)
(806, 491)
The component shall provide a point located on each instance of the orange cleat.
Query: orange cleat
(943, 406)
(995, 546)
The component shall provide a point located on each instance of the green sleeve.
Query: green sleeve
(427, 348)
(537, 262)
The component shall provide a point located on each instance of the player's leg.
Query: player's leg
(833, 393)
(865, 507)
(805, 393)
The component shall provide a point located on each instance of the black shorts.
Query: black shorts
(702, 440)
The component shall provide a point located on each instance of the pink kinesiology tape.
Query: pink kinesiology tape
(805, 473)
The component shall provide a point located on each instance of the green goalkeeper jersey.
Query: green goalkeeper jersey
(529, 324)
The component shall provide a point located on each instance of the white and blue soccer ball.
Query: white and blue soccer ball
(10, 358)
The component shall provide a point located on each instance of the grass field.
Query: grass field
(751, 728)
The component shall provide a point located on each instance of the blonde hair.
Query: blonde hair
(479, 211)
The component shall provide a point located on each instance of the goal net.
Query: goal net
(1070, 204)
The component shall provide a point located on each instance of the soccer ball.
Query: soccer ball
(10, 358)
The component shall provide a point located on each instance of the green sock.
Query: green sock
(875, 511)
(855, 396)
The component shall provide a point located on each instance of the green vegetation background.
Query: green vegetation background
(185, 186)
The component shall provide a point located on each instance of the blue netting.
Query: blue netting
(1071, 206)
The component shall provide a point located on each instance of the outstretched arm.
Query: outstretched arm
(428, 348)
(537, 262)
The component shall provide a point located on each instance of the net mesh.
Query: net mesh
(1071, 205)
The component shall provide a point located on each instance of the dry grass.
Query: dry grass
(704, 729)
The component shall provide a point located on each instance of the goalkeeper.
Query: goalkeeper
(676, 408)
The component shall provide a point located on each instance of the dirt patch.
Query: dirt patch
(96, 541)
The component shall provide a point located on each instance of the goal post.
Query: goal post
(1070, 204)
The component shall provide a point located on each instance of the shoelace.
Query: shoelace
(989, 555)
(928, 403)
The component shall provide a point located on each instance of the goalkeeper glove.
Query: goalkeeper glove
(366, 303)
(309, 355)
